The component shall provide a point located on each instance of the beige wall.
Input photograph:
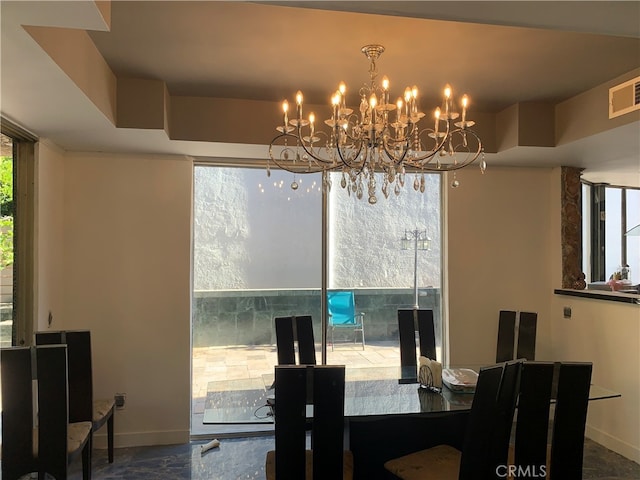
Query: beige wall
(607, 334)
(118, 228)
(499, 246)
(123, 263)
(49, 233)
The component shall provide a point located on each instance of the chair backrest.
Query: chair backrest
(324, 385)
(532, 425)
(342, 308)
(292, 330)
(80, 369)
(506, 335)
(306, 343)
(476, 461)
(507, 399)
(48, 366)
(407, 321)
(567, 442)
(527, 335)
(426, 333)
(17, 417)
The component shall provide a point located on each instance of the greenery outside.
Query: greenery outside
(6, 211)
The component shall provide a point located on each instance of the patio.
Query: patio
(234, 362)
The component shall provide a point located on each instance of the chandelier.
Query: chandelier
(382, 137)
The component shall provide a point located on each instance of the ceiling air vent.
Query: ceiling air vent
(624, 98)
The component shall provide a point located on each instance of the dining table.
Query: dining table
(369, 392)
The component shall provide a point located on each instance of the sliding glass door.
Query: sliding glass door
(386, 254)
(258, 255)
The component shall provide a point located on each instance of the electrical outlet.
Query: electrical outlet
(567, 312)
(120, 399)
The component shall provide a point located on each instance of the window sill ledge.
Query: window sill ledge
(600, 295)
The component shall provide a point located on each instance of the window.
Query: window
(610, 247)
(6, 240)
(18, 148)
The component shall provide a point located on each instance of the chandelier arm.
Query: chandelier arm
(285, 164)
(456, 166)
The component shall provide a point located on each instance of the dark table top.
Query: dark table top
(369, 391)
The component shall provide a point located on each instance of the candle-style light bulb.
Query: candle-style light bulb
(299, 102)
(335, 101)
(414, 102)
(407, 99)
(437, 116)
(342, 90)
(465, 103)
(312, 118)
(447, 99)
(385, 90)
(399, 109)
(373, 101)
(285, 109)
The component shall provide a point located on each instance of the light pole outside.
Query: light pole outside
(420, 241)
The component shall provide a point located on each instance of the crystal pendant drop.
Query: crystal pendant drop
(359, 193)
(343, 181)
(385, 190)
(294, 185)
(422, 183)
(455, 183)
(268, 171)
(483, 166)
(396, 189)
(372, 199)
(285, 155)
(416, 184)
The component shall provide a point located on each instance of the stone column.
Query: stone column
(571, 229)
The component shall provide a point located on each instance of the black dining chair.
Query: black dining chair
(527, 326)
(49, 446)
(565, 384)
(484, 443)
(506, 335)
(292, 331)
(532, 424)
(408, 320)
(569, 422)
(297, 386)
(524, 323)
(82, 405)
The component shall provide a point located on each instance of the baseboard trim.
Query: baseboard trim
(613, 443)
(139, 439)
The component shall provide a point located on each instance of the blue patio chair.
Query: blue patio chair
(342, 314)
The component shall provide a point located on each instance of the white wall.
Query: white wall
(123, 262)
